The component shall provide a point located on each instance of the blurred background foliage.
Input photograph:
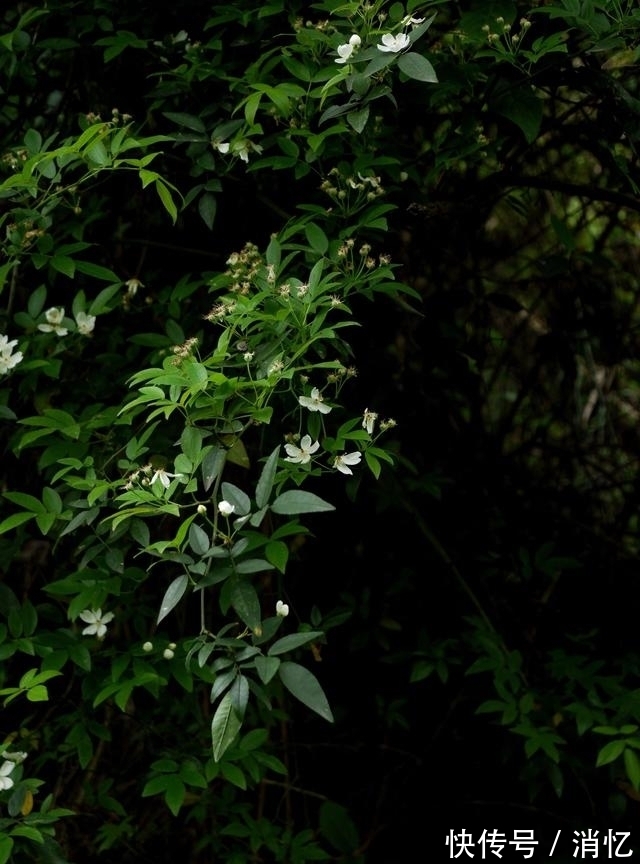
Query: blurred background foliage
(483, 593)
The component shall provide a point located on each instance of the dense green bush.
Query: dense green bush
(240, 243)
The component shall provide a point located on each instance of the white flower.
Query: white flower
(345, 51)
(368, 420)
(85, 323)
(132, 286)
(168, 654)
(17, 757)
(409, 20)
(225, 508)
(54, 317)
(242, 148)
(5, 781)
(342, 462)
(282, 609)
(220, 146)
(8, 359)
(393, 44)
(301, 454)
(314, 402)
(97, 622)
(164, 477)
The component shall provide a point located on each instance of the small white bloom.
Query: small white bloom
(168, 654)
(225, 508)
(345, 51)
(97, 622)
(314, 402)
(54, 317)
(85, 323)
(248, 356)
(5, 781)
(282, 609)
(409, 20)
(147, 647)
(393, 44)
(164, 477)
(220, 146)
(132, 286)
(242, 148)
(301, 454)
(17, 757)
(355, 40)
(342, 462)
(8, 359)
(368, 420)
(202, 510)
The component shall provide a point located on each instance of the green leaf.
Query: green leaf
(316, 238)
(237, 497)
(212, 465)
(14, 521)
(293, 641)
(267, 667)
(207, 206)
(175, 792)
(6, 846)
(298, 501)
(167, 201)
(173, 596)
(610, 752)
(265, 482)
(186, 120)
(521, 106)
(198, 539)
(191, 443)
(224, 727)
(306, 688)
(632, 767)
(338, 828)
(38, 693)
(417, 67)
(244, 600)
(358, 119)
(233, 774)
(277, 554)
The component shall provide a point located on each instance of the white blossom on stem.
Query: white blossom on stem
(342, 463)
(314, 402)
(282, 609)
(393, 44)
(8, 357)
(97, 622)
(302, 454)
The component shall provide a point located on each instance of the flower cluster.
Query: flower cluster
(54, 316)
(8, 358)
